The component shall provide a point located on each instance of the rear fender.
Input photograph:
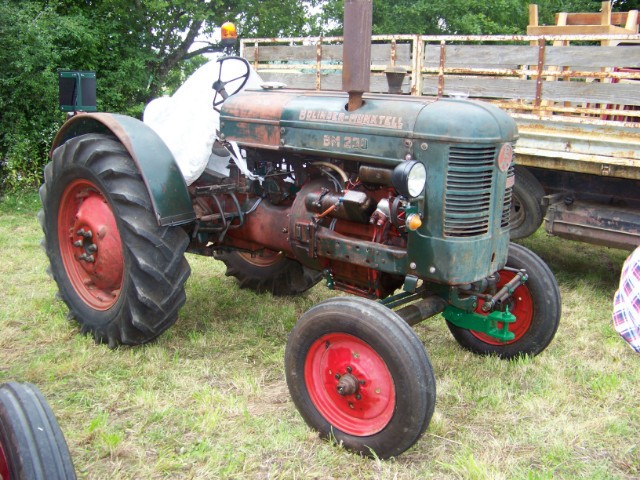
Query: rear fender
(159, 170)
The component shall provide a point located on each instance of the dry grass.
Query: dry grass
(208, 399)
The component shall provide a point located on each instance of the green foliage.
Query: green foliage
(139, 50)
(467, 17)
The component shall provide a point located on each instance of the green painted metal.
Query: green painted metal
(77, 91)
(386, 131)
(384, 258)
(162, 177)
(487, 324)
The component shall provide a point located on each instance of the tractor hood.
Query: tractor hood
(385, 130)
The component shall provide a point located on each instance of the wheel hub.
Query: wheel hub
(90, 244)
(350, 384)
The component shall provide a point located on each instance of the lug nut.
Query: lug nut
(86, 258)
(92, 248)
(77, 243)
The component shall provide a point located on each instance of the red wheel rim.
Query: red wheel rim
(366, 407)
(521, 306)
(266, 258)
(4, 465)
(90, 244)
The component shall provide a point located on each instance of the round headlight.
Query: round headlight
(409, 178)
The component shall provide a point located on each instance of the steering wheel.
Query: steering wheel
(220, 85)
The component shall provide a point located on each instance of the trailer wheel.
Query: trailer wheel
(269, 272)
(121, 275)
(359, 375)
(526, 204)
(536, 305)
(32, 446)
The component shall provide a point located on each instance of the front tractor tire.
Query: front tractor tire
(536, 306)
(120, 273)
(359, 375)
(269, 271)
(32, 446)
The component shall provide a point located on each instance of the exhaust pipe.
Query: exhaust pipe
(356, 50)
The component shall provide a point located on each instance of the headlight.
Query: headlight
(409, 178)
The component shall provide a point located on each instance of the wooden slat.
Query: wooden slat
(513, 56)
(329, 81)
(605, 93)
(482, 87)
(482, 56)
(577, 30)
(617, 18)
(593, 56)
(380, 53)
(512, 88)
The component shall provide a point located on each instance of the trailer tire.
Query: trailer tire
(120, 273)
(269, 272)
(32, 446)
(536, 305)
(389, 392)
(526, 204)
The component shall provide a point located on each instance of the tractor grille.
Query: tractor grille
(468, 190)
(506, 209)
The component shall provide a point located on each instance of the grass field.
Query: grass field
(208, 399)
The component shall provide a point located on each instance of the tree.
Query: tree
(140, 49)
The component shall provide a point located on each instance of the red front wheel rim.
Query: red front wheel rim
(350, 384)
(90, 244)
(4, 465)
(521, 305)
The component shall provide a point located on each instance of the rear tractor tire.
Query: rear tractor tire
(527, 212)
(32, 446)
(120, 273)
(269, 271)
(536, 306)
(359, 375)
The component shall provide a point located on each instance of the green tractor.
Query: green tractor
(401, 201)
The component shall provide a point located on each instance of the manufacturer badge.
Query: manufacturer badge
(505, 157)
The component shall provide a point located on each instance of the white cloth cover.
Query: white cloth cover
(187, 121)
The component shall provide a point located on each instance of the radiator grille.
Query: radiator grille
(468, 190)
(506, 209)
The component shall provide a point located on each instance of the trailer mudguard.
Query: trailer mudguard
(160, 173)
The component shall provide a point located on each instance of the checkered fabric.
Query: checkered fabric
(626, 303)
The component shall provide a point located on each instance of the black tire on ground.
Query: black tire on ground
(32, 446)
(360, 376)
(120, 273)
(269, 272)
(526, 204)
(536, 305)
